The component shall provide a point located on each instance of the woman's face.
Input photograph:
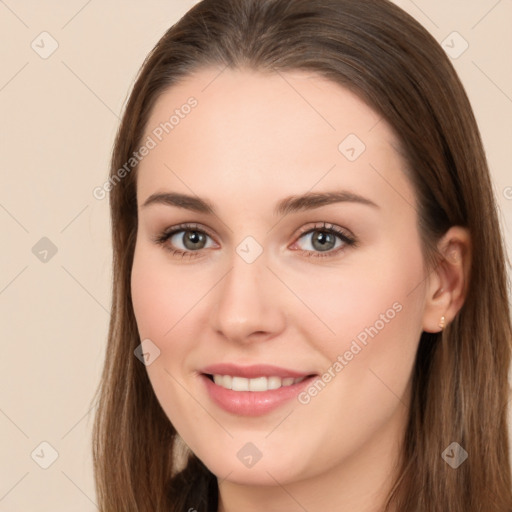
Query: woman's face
(292, 272)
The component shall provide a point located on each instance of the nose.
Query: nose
(248, 304)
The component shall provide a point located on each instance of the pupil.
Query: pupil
(323, 239)
(194, 238)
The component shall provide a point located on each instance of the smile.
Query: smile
(258, 384)
(253, 390)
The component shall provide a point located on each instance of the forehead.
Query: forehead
(251, 130)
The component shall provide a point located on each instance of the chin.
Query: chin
(245, 467)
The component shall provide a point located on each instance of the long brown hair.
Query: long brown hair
(460, 389)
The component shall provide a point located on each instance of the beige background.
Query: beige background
(58, 120)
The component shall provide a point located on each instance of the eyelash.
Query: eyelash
(348, 241)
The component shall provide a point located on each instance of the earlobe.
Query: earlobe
(448, 282)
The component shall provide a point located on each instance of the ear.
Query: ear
(448, 282)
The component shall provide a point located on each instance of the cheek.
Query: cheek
(378, 331)
(374, 315)
(161, 295)
(169, 308)
(150, 302)
(161, 302)
(374, 297)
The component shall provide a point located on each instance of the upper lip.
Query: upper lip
(252, 371)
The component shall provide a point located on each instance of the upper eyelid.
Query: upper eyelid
(327, 226)
(188, 227)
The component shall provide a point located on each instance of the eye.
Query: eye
(184, 240)
(326, 239)
(322, 240)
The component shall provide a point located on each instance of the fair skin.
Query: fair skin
(252, 141)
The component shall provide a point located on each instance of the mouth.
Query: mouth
(253, 390)
(258, 384)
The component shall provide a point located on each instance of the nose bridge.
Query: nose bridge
(246, 302)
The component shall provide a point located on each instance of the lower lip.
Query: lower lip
(253, 403)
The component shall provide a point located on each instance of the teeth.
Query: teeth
(226, 381)
(274, 382)
(240, 384)
(257, 384)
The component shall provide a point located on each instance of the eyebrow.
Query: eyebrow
(288, 205)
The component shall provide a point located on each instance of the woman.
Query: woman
(309, 270)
